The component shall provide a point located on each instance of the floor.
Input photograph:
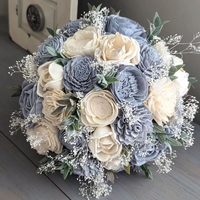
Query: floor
(18, 163)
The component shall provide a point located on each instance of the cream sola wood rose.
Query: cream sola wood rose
(82, 43)
(118, 49)
(162, 99)
(50, 78)
(104, 145)
(98, 108)
(43, 138)
(50, 104)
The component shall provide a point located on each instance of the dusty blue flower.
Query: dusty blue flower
(56, 42)
(150, 61)
(147, 153)
(81, 166)
(29, 101)
(128, 133)
(72, 27)
(79, 76)
(132, 87)
(74, 142)
(126, 27)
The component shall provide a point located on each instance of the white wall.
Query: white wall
(184, 16)
(3, 7)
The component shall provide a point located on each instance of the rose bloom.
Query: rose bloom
(98, 108)
(50, 78)
(104, 144)
(118, 49)
(161, 100)
(114, 164)
(43, 138)
(50, 104)
(82, 43)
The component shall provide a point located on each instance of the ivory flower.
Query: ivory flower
(43, 138)
(82, 43)
(114, 164)
(50, 104)
(161, 100)
(118, 49)
(51, 78)
(104, 144)
(98, 108)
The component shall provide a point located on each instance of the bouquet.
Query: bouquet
(102, 95)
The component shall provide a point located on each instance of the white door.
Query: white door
(28, 19)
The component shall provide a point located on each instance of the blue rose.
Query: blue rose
(147, 153)
(150, 61)
(128, 133)
(72, 27)
(79, 76)
(126, 27)
(56, 42)
(29, 101)
(73, 142)
(132, 87)
(82, 167)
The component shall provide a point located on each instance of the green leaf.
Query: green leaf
(44, 160)
(15, 88)
(173, 142)
(157, 30)
(156, 20)
(127, 169)
(51, 32)
(65, 61)
(111, 79)
(76, 125)
(16, 94)
(64, 101)
(158, 129)
(147, 172)
(90, 7)
(172, 78)
(70, 130)
(97, 88)
(169, 146)
(192, 80)
(51, 50)
(67, 122)
(161, 138)
(101, 80)
(174, 69)
(98, 7)
(78, 114)
(114, 12)
(111, 73)
(57, 111)
(66, 172)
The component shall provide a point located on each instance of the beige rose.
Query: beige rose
(50, 104)
(114, 164)
(43, 138)
(82, 43)
(98, 108)
(161, 100)
(50, 77)
(104, 145)
(118, 49)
